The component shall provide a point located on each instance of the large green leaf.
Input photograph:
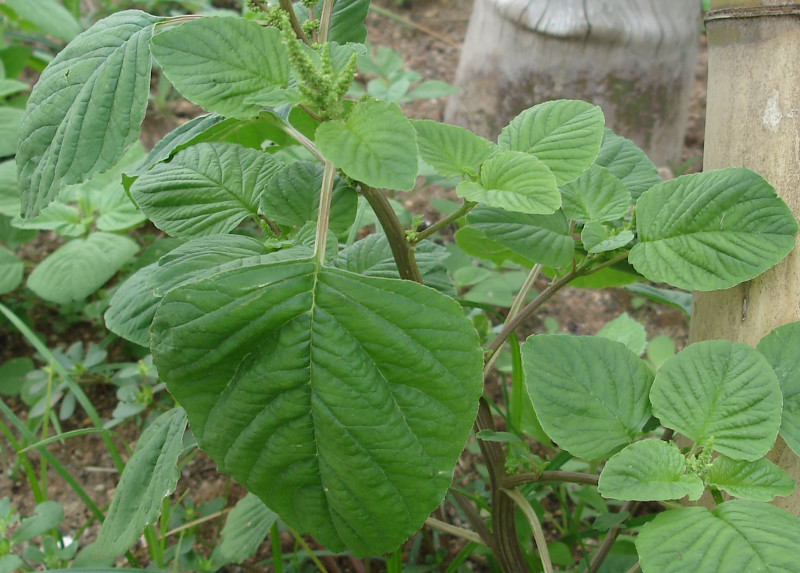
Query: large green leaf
(149, 476)
(760, 480)
(341, 401)
(10, 118)
(223, 63)
(541, 238)
(347, 20)
(514, 181)
(376, 145)
(132, 308)
(736, 536)
(780, 347)
(720, 391)
(711, 230)
(49, 16)
(86, 108)
(589, 393)
(11, 269)
(451, 150)
(245, 529)
(80, 267)
(292, 198)
(564, 134)
(627, 163)
(206, 189)
(476, 243)
(649, 470)
(596, 196)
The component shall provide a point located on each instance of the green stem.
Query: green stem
(311, 554)
(608, 542)
(472, 515)
(296, 27)
(518, 480)
(465, 208)
(324, 213)
(277, 554)
(402, 251)
(454, 530)
(38, 497)
(81, 396)
(517, 385)
(325, 20)
(302, 140)
(536, 526)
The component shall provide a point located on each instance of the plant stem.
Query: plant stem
(470, 511)
(298, 30)
(536, 526)
(311, 554)
(465, 208)
(608, 542)
(275, 543)
(324, 213)
(455, 530)
(402, 251)
(325, 20)
(292, 132)
(518, 480)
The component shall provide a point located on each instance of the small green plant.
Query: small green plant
(338, 376)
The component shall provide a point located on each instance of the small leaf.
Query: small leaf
(649, 470)
(80, 267)
(760, 480)
(245, 529)
(476, 243)
(711, 230)
(431, 89)
(722, 391)
(627, 163)
(46, 516)
(206, 189)
(544, 239)
(737, 535)
(11, 269)
(12, 375)
(86, 108)
(292, 198)
(132, 308)
(149, 476)
(514, 181)
(376, 145)
(780, 349)
(498, 289)
(254, 66)
(49, 16)
(342, 401)
(451, 150)
(628, 331)
(590, 393)
(9, 195)
(564, 134)
(10, 118)
(600, 238)
(595, 196)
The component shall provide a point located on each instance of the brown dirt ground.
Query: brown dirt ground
(427, 34)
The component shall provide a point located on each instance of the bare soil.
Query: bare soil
(428, 35)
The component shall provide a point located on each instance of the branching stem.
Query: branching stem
(536, 526)
(465, 208)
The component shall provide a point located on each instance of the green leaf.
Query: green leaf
(80, 267)
(564, 134)
(132, 307)
(86, 108)
(46, 516)
(48, 16)
(245, 529)
(595, 196)
(11, 87)
(711, 230)
(601, 238)
(431, 89)
(10, 118)
(9, 195)
(347, 20)
(780, 349)
(541, 238)
(342, 401)
(476, 243)
(292, 198)
(627, 163)
(589, 393)
(498, 289)
(649, 470)
(11, 269)
(722, 391)
(60, 217)
(628, 331)
(239, 59)
(372, 257)
(203, 257)
(451, 150)
(514, 181)
(737, 535)
(760, 480)
(206, 189)
(149, 476)
(12, 376)
(376, 145)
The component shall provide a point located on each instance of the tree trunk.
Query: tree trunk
(753, 120)
(633, 58)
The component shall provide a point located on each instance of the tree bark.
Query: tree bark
(633, 58)
(753, 120)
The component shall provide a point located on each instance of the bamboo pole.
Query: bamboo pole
(753, 120)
